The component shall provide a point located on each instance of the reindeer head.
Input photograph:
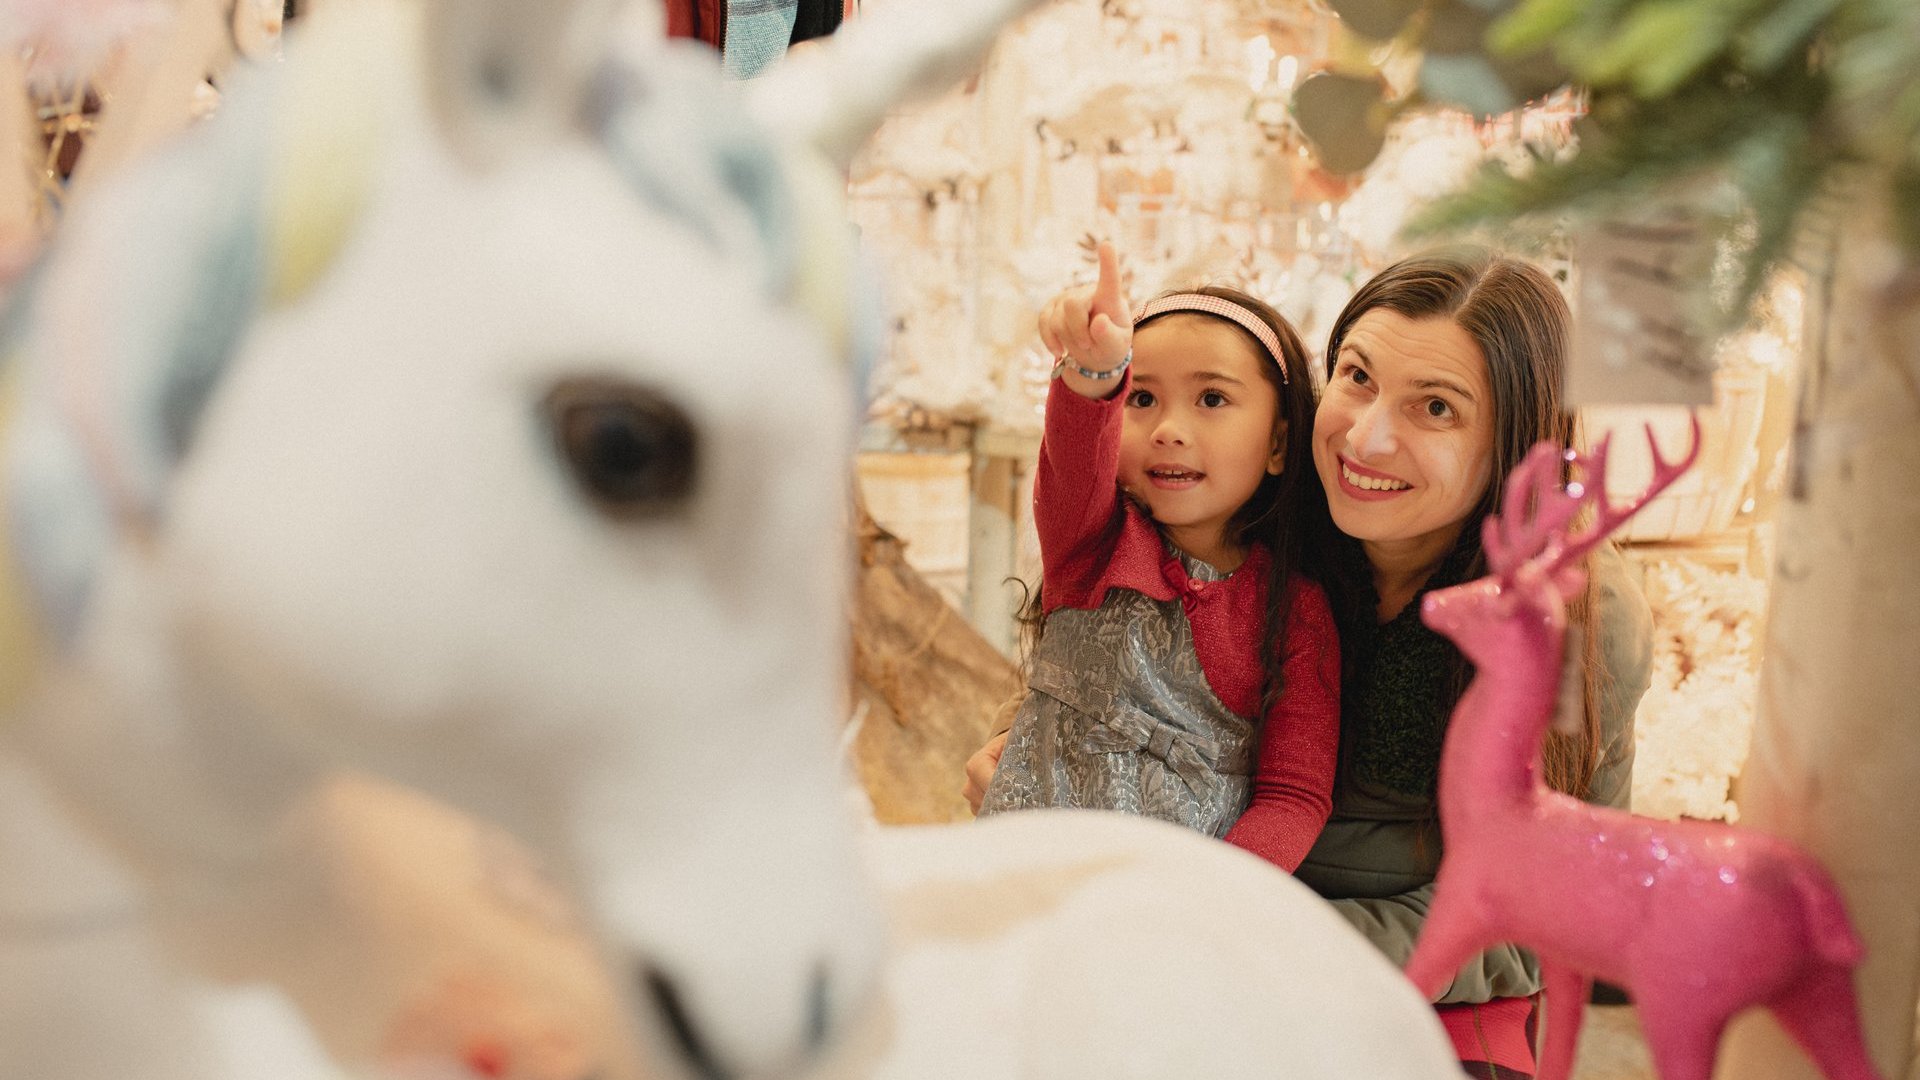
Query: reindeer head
(1534, 550)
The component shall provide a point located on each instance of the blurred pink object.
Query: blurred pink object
(1697, 920)
(70, 38)
(475, 1026)
(20, 247)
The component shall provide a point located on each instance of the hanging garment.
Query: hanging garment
(756, 35)
(815, 18)
(679, 18)
(704, 20)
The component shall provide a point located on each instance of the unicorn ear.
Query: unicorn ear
(124, 333)
(677, 132)
(835, 97)
(503, 73)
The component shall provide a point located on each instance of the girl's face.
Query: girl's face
(1201, 428)
(1403, 438)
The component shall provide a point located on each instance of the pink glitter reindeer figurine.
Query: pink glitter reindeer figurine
(1697, 920)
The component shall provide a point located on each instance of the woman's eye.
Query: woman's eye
(1213, 399)
(1140, 399)
(1438, 409)
(1358, 376)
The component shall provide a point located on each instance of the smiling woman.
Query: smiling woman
(1445, 369)
(1403, 440)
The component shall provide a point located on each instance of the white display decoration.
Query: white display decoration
(1163, 126)
(1427, 154)
(1695, 723)
(1260, 57)
(1159, 125)
(1286, 73)
(1707, 500)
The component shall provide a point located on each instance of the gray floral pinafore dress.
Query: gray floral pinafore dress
(1119, 716)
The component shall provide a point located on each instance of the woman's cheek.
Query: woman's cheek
(1471, 467)
(1329, 420)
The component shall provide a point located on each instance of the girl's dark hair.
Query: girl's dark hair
(1270, 514)
(1517, 316)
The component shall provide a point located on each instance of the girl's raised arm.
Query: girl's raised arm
(1074, 495)
(1091, 329)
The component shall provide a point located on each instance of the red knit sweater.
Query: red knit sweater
(1092, 541)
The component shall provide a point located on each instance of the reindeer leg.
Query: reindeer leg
(1683, 1042)
(1823, 1016)
(1567, 992)
(1450, 937)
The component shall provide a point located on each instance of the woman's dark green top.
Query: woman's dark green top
(1377, 857)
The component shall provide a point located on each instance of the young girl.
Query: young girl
(1178, 647)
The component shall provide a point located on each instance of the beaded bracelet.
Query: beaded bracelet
(1065, 363)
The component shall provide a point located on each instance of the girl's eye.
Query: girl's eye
(1438, 409)
(1213, 399)
(1140, 399)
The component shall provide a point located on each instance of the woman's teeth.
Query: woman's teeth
(1368, 483)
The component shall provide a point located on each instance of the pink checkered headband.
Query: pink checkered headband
(1225, 309)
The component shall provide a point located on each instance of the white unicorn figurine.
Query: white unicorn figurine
(477, 423)
(440, 423)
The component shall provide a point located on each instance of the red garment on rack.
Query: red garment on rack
(702, 19)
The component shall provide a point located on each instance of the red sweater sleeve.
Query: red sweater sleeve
(1074, 492)
(1089, 540)
(1299, 746)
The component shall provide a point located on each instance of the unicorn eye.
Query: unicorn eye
(629, 448)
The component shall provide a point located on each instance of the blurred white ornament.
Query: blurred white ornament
(69, 39)
(256, 27)
(1260, 54)
(1425, 156)
(1286, 73)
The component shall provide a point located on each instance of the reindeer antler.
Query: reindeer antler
(1608, 517)
(1535, 511)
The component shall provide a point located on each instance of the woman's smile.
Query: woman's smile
(1362, 483)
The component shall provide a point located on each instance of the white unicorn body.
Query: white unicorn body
(381, 551)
